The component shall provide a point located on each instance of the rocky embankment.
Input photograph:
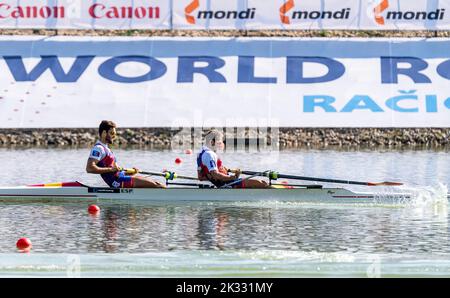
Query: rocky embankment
(287, 137)
(231, 33)
(366, 137)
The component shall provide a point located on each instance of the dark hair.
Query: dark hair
(106, 126)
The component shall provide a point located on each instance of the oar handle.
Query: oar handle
(169, 175)
(269, 174)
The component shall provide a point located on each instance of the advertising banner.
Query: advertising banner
(195, 82)
(312, 14)
(226, 14)
(85, 14)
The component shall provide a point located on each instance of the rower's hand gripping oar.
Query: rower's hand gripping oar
(169, 176)
(130, 172)
(274, 176)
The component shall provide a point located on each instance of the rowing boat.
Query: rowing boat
(78, 191)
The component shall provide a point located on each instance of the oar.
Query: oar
(275, 176)
(169, 175)
(246, 178)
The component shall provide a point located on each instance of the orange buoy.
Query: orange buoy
(188, 151)
(93, 209)
(24, 244)
(178, 160)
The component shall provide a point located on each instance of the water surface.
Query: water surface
(271, 239)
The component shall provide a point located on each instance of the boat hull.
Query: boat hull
(54, 194)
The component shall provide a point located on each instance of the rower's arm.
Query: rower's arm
(92, 168)
(221, 177)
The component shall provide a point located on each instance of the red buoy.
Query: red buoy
(178, 160)
(24, 244)
(93, 209)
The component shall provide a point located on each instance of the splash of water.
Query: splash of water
(296, 255)
(425, 197)
(415, 196)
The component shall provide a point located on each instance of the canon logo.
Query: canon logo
(31, 12)
(99, 11)
(96, 11)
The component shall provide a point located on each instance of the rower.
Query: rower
(102, 161)
(210, 167)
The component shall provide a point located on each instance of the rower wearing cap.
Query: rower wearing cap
(102, 161)
(210, 167)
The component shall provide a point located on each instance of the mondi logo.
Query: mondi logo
(286, 18)
(284, 9)
(384, 4)
(189, 9)
(193, 7)
(437, 14)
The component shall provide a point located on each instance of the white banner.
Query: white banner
(312, 14)
(226, 14)
(85, 14)
(195, 82)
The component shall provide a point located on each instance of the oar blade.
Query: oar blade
(386, 183)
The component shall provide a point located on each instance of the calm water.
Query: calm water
(272, 239)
